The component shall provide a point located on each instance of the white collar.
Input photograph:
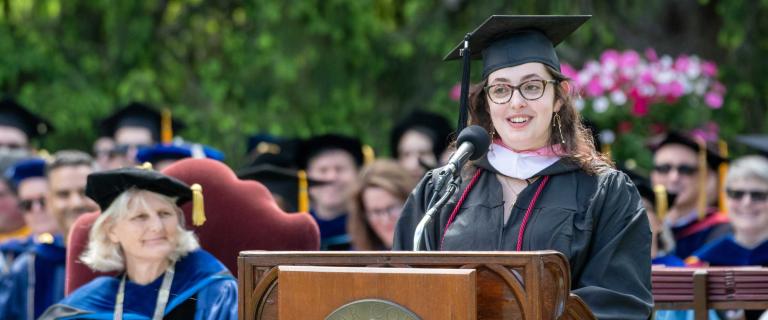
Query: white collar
(518, 165)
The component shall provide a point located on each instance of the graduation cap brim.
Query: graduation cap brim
(279, 181)
(104, 187)
(136, 114)
(757, 142)
(555, 27)
(13, 114)
(714, 159)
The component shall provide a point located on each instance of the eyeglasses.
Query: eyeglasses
(755, 195)
(683, 169)
(26, 205)
(11, 146)
(386, 212)
(529, 90)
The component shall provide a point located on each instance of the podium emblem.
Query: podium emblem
(372, 309)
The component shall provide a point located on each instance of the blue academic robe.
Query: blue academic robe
(199, 279)
(35, 281)
(333, 233)
(694, 235)
(10, 249)
(726, 252)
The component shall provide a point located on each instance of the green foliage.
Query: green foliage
(233, 68)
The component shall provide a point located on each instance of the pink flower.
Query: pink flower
(651, 55)
(709, 69)
(594, 87)
(682, 63)
(455, 93)
(625, 126)
(640, 104)
(629, 59)
(610, 56)
(713, 99)
(568, 71)
(672, 89)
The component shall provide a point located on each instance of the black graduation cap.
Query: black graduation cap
(714, 159)
(433, 125)
(506, 41)
(646, 189)
(13, 114)
(313, 146)
(289, 184)
(105, 186)
(269, 149)
(759, 142)
(137, 114)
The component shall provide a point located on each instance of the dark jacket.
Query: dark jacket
(597, 221)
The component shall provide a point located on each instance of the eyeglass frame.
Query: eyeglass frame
(683, 169)
(26, 205)
(517, 88)
(754, 195)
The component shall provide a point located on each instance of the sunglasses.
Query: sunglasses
(26, 205)
(683, 169)
(755, 195)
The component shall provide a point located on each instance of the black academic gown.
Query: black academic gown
(597, 221)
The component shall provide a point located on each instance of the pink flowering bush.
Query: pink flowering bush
(630, 96)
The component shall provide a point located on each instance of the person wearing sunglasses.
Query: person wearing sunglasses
(693, 216)
(747, 198)
(36, 277)
(541, 185)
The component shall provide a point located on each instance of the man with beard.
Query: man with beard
(334, 159)
(67, 176)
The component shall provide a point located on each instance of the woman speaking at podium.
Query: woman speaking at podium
(541, 185)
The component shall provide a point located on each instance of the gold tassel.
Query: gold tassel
(146, 166)
(303, 191)
(166, 127)
(606, 149)
(662, 203)
(368, 155)
(703, 172)
(198, 208)
(722, 172)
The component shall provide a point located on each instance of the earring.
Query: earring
(493, 137)
(559, 127)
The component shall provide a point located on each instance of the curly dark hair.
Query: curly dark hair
(579, 145)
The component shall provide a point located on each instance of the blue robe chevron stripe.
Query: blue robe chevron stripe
(35, 281)
(199, 278)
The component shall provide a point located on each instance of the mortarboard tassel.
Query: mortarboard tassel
(368, 155)
(166, 127)
(606, 149)
(703, 172)
(198, 208)
(146, 166)
(722, 172)
(662, 203)
(303, 193)
(464, 100)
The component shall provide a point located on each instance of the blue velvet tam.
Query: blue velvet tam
(25, 169)
(175, 151)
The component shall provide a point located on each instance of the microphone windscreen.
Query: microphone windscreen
(477, 136)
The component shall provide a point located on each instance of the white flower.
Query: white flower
(618, 97)
(607, 136)
(579, 104)
(600, 104)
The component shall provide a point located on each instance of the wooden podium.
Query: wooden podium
(431, 285)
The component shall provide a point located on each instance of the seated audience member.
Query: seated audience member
(747, 192)
(375, 204)
(334, 159)
(18, 129)
(419, 141)
(12, 224)
(140, 233)
(36, 279)
(693, 218)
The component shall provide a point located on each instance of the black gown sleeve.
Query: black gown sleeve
(615, 278)
(413, 211)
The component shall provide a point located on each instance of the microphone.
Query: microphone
(473, 144)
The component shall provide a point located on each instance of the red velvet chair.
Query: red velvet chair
(241, 215)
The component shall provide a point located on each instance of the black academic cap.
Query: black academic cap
(645, 188)
(105, 186)
(714, 159)
(759, 142)
(318, 144)
(136, 114)
(507, 41)
(13, 114)
(284, 182)
(269, 149)
(433, 125)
